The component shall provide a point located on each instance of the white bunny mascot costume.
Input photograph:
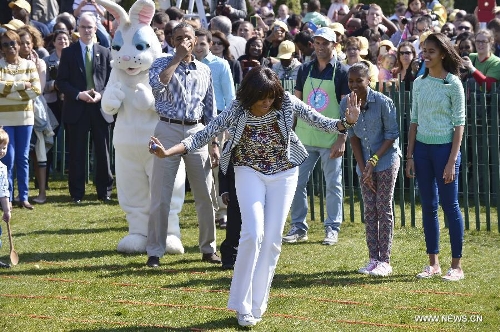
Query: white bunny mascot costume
(128, 94)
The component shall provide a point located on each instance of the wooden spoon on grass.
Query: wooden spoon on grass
(14, 258)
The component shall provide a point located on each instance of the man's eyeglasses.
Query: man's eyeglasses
(463, 27)
(405, 52)
(218, 43)
(12, 43)
(86, 27)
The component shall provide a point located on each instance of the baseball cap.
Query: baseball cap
(326, 33)
(286, 50)
(364, 45)
(14, 24)
(21, 4)
(387, 43)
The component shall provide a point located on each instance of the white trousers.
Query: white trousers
(264, 203)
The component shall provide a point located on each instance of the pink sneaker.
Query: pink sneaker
(454, 275)
(382, 269)
(429, 272)
(370, 266)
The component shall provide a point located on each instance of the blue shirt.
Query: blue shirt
(222, 80)
(375, 125)
(188, 96)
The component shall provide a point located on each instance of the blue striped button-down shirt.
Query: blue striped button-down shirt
(188, 96)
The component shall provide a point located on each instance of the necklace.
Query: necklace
(10, 70)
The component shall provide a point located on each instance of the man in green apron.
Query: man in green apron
(321, 84)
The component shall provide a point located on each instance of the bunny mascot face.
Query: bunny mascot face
(128, 96)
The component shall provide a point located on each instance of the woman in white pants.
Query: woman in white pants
(265, 153)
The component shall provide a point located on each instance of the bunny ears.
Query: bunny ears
(141, 12)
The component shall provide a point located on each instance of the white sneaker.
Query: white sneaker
(331, 236)
(429, 272)
(369, 267)
(295, 235)
(245, 319)
(382, 269)
(454, 275)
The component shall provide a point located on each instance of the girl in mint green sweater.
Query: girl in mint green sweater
(433, 156)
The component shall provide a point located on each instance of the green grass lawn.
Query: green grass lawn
(70, 278)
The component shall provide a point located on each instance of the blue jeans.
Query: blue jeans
(18, 156)
(430, 161)
(332, 169)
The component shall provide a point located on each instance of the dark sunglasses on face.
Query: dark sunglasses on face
(405, 52)
(464, 28)
(218, 43)
(12, 43)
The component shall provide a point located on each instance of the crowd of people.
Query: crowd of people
(55, 63)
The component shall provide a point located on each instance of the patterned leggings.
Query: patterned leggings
(379, 217)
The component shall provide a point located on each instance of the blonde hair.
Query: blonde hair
(4, 137)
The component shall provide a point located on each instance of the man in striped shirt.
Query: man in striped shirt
(184, 98)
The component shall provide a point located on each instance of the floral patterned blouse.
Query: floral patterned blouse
(261, 146)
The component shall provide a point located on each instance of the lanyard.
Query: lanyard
(323, 75)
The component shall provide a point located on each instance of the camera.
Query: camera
(406, 20)
(52, 72)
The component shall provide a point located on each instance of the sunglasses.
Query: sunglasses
(463, 28)
(405, 52)
(218, 43)
(482, 41)
(12, 43)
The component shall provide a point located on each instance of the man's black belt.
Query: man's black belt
(181, 122)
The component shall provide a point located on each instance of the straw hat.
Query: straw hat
(280, 24)
(337, 27)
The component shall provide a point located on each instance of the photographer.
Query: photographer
(82, 6)
(234, 9)
(375, 20)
